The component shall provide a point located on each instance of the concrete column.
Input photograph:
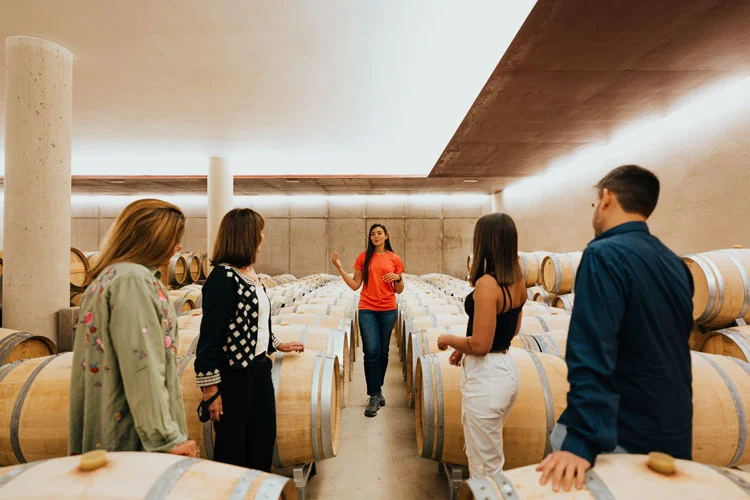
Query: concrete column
(36, 266)
(220, 197)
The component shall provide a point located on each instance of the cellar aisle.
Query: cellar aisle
(377, 457)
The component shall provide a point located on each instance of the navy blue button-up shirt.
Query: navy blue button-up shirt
(627, 353)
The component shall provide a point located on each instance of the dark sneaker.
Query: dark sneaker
(381, 399)
(372, 407)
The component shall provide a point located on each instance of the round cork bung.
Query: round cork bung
(661, 463)
(93, 460)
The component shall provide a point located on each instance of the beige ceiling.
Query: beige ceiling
(298, 87)
(375, 87)
(580, 70)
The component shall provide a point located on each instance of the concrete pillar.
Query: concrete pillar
(36, 260)
(220, 197)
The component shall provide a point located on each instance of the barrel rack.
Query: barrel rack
(455, 474)
(300, 474)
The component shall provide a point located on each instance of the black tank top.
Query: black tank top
(505, 327)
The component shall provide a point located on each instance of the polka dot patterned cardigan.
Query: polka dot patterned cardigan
(229, 328)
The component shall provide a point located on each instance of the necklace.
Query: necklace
(250, 279)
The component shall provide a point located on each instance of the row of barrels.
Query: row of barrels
(183, 269)
(272, 281)
(34, 402)
(286, 294)
(537, 293)
(307, 432)
(79, 267)
(721, 395)
(425, 314)
(555, 272)
(721, 391)
(721, 279)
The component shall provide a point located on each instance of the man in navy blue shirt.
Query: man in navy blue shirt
(627, 353)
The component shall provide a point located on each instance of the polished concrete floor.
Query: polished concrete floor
(377, 457)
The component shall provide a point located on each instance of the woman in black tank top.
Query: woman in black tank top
(489, 376)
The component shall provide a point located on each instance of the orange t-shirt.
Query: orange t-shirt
(378, 295)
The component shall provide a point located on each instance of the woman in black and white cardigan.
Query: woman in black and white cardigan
(232, 365)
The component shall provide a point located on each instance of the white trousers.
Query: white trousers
(489, 389)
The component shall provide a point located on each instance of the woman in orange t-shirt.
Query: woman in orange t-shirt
(379, 269)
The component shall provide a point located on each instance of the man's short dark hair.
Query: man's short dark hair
(636, 188)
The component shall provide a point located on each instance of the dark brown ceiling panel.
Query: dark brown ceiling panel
(579, 70)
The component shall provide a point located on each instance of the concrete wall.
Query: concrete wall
(430, 233)
(704, 169)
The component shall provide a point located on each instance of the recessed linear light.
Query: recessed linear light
(471, 181)
(291, 181)
(116, 181)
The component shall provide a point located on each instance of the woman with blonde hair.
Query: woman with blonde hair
(125, 393)
(232, 365)
(489, 376)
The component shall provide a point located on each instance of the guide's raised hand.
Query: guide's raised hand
(335, 260)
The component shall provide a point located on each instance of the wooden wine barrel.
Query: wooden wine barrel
(615, 476)
(183, 305)
(328, 310)
(310, 431)
(34, 407)
(331, 301)
(543, 296)
(424, 342)
(559, 272)
(191, 320)
(565, 301)
(178, 271)
(194, 267)
(436, 331)
(538, 309)
(137, 475)
(734, 342)
(93, 259)
(318, 320)
(436, 320)
(722, 286)
(269, 282)
(419, 312)
(541, 400)
(205, 265)
(322, 340)
(15, 345)
(721, 410)
(322, 321)
(79, 270)
(552, 342)
(544, 323)
(531, 266)
(76, 298)
(308, 412)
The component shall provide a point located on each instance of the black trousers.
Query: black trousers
(246, 433)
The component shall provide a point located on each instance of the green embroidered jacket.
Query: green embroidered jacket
(125, 393)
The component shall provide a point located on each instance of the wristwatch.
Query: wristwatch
(400, 279)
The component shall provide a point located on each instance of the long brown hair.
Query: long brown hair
(371, 250)
(146, 232)
(496, 250)
(238, 238)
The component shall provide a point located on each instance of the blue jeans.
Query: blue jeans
(375, 328)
